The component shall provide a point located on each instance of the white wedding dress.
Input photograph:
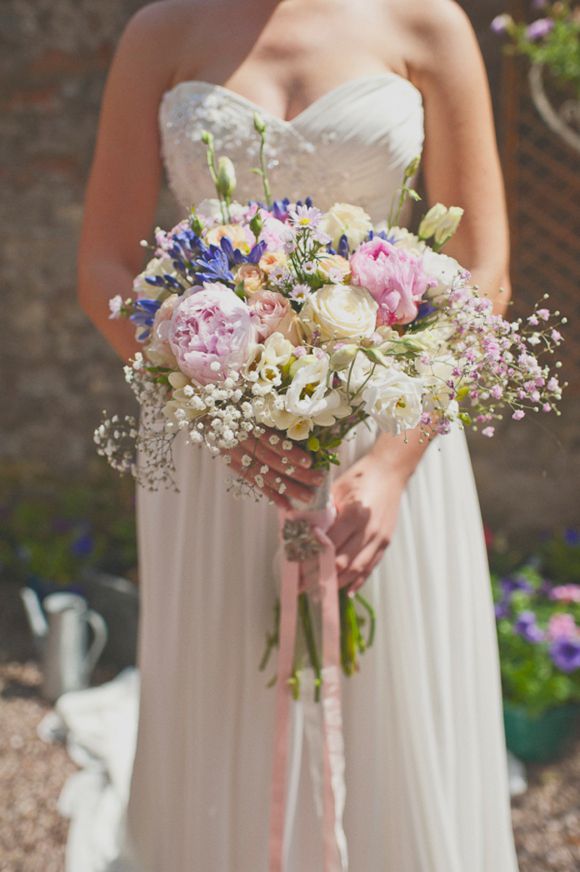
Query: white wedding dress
(426, 771)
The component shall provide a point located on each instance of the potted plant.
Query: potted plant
(61, 535)
(538, 625)
(552, 44)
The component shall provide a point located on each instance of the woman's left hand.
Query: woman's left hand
(367, 497)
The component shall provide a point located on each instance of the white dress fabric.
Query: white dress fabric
(426, 772)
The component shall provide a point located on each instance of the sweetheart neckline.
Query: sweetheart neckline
(289, 122)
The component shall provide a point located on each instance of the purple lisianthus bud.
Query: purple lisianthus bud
(539, 29)
(526, 627)
(565, 654)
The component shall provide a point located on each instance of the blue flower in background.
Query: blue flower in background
(527, 628)
(565, 654)
(572, 537)
(510, 584)
(83, 544)
(502, 610)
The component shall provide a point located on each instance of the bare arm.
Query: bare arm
(123, 186)
(462, 169)
(461, 161)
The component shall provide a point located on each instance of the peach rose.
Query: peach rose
(268, 309)
(251, 276)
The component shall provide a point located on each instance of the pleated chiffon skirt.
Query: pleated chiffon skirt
(426, 770)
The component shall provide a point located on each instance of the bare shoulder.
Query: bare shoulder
(161, 28)
(438, 35)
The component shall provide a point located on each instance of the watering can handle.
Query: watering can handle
(99, 627)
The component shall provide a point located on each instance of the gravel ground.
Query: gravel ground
(32, 833)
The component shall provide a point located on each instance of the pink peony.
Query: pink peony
(158, 350)
(394, 277)
(268, 310)
(562, 627)
(210, 333)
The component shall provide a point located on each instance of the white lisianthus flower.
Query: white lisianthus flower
(271, 412)
(442, 269)
(435, 374)
(344, 219)
(156, 268)
(340, 312)
(440, 223)
(394, 400)
(308, 395)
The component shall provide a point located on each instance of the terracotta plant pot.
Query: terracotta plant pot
(543, 738)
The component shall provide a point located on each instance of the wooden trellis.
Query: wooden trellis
(542, 177)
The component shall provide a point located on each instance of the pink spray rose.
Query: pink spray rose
(394, 277)
(268, 310)
(210, 333)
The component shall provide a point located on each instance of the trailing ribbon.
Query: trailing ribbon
(304, 534)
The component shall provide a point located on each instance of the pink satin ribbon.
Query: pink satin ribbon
(333, 764)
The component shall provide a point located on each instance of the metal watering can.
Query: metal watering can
(60, 626)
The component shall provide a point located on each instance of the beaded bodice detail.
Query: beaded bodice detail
(352, 144)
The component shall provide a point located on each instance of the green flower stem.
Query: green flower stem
(208, 140)
(372, 617)
(305, 616)
(261, 129)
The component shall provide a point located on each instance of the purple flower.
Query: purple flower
(539, 4)
(539, 29)
(527, 628)
(565, 654)
(501, 23)
(502, 610)
(512, 583)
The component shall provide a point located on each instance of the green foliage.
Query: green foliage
(559, 50)
(530, 677)
(56, 529)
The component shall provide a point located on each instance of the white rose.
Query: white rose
(393, 400)
(347, 220)
(156, 268)
(341, 312)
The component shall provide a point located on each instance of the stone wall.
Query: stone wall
(57, 371)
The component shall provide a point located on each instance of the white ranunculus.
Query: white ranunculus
(156, 267)
(344, 219)
(340, 312)
(393, 400)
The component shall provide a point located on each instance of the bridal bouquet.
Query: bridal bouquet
(279, 315)
(280, 320)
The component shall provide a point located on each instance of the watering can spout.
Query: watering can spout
(36, 617)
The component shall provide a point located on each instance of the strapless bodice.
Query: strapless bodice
(352, 144)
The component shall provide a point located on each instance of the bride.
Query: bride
(350, 90)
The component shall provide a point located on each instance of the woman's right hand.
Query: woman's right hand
(278, 467)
